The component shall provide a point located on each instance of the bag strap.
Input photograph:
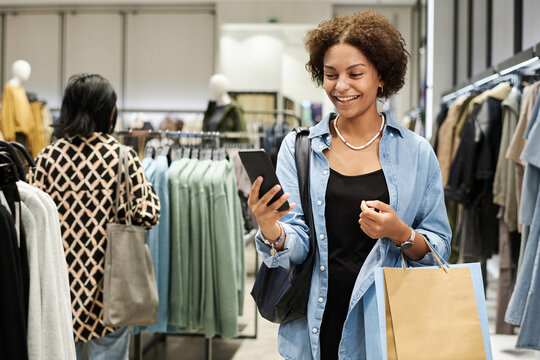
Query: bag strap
(123, 169)
(302, 151)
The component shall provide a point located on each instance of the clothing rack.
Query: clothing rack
(140, 348)
(514, 69)
(283, 113)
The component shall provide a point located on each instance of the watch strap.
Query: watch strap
(407, 244)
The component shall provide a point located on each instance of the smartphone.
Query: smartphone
(257, 163)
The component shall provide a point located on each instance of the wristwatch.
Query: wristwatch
(407, 244)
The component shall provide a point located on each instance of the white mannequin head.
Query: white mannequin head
(218, 89)
(21, 72)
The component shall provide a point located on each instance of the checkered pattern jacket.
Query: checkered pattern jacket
(80, 174)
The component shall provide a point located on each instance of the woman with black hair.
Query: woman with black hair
(79, 173)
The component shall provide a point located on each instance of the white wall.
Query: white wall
(268, 57)
(295, 79)
(34, 38)
(503, 31)
(169, 60)
(442, 50)
(531, 25)
(95, 49)
(271, 55)
(479, 48)
(169, 53)
(252, 61)
(462, 41)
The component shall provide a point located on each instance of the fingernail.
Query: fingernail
(276, 187)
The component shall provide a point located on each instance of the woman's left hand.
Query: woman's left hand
(379, 220)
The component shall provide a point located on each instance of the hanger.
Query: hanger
(15, 159)
(24, 151)
(9, 173)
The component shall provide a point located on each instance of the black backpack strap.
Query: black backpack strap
(302, 151)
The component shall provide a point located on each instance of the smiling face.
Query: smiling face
(350, 81)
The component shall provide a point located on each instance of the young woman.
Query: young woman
(79, 172)
(376, 189)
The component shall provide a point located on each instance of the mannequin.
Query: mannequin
(218, 88)
(222, 113)
(21, 72)
(18, 122)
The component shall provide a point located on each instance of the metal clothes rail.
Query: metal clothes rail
(140, 348)
(525, 62)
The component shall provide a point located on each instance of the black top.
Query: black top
(348, 247)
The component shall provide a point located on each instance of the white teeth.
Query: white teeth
(346, 98)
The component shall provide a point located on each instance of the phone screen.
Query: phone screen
(257, 163)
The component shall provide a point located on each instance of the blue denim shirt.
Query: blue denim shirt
(525, 301)
(414, 181)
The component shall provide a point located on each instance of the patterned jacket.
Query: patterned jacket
(80, 174)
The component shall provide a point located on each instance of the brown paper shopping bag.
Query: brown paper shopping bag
(433, 314)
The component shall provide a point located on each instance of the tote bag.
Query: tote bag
(130, 295)
(432, 312)
(281, 294)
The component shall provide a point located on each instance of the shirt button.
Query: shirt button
(328, 138)
(325, 172)
(391, 135)
(321, 236)
(314, 330)
(319, 202)
(320, 300)
(322, 268)
(320, 146)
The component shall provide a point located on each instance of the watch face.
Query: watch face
(406, 245)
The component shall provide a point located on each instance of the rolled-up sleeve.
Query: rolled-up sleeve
(145, 206)
(431, 219)
(296, 241)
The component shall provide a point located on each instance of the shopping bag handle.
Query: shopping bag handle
(435, 255)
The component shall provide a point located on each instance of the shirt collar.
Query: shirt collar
(323, 127)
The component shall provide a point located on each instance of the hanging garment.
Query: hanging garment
(508, 258)
(504, 195)
(517, 144)
(198, 206)
(524, 304)
(207, 249)
(158, 239)
(79, 174)
(16, 112)
(47, 122)
(37, 139)
(13, 314)
(446, 137)
(226, 246)
(504, 184)
(179, 260)
(50, 331)
(441, 116)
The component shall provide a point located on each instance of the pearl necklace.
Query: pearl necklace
(366, 144)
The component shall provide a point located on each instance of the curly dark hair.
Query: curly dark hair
(371, 33)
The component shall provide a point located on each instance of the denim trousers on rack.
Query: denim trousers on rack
(113, 346)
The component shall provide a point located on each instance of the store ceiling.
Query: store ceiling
(376, 2)
(335, 2)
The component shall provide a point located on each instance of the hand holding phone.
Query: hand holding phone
(257, 163)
